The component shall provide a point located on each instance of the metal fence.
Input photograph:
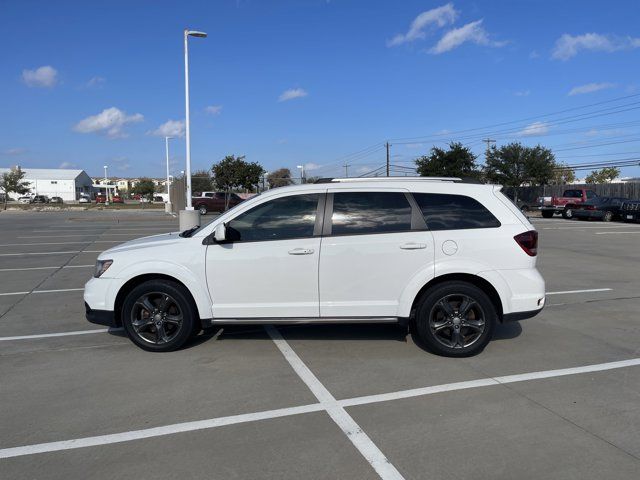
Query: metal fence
(530, 194)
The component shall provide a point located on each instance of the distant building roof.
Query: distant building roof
(48, 173)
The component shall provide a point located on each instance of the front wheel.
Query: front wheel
(567, 213)
(159, 316)
(203, 209)
(455, 319)
(608, 216)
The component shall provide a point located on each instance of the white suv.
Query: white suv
(448, 258)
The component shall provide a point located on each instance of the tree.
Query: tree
(457, 161)
(145, 188)
(563, 174)
(12, 182)
(234, 172)
(514, 164)
(201, 181)
(606, 175)
(279, 178)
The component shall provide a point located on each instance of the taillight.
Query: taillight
(528, 241)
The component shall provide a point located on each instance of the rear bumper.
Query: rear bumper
(100, 317)
(515, 316)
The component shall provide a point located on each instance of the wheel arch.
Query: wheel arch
(475, 280)
(138, 280)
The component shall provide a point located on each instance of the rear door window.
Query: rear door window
(454, 212)
(358, 213)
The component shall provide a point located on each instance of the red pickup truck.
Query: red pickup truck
(564, 204)
(214, 202)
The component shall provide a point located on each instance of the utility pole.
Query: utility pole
(387, 145)
(346, 170)
(488, 141)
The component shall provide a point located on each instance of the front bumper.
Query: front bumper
(515, 316)
(631, 216)
(101, 317)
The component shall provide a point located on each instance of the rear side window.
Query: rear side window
(572, 194)
(454, 212)
(279, 219)
(356, 213)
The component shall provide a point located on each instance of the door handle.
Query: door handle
(301, 251)
(413, 246)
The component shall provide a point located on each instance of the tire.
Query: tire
(455, 334)
(178, 318)
(567, 213)
(203, 209)
(547, 213)
(608, 216)
(524, 209)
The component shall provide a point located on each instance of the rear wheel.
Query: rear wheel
(547, 213)
(567, 213)
(455, 319)
(608, 216)
(159, 316)
(203, 209)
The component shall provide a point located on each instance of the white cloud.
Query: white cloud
(534, 54)
(291, 94)
(213, 109)
(95, 82)
(522, 93)
(45, 76)
(441, 16)
(109, 122)
(15, 151)
(568, 46)
(67, 165)
(170, 128)
(311, 166)
(590, 87)
(536, 128)
(472, 32)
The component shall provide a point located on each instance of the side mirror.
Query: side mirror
(220, 233)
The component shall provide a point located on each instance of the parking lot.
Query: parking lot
(556, 396)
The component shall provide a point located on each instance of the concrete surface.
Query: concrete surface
(89, 383)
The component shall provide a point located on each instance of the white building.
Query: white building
(56, 182)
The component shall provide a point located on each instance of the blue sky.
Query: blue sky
(313, 81)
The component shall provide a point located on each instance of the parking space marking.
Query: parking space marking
(56, 243)
(590, 290)
(84, 235)
(49, 253)
(591, 227)
(59, 290)
(43, 268)
(13, 293)
(383, 467)
(314, 407)
(61, 334)
(614, 233)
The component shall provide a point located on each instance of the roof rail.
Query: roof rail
(391, 179)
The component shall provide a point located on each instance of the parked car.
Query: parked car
(56, 200)
(630, 211)
(600, 208)
(84, 199)
(117, 199)
(101, 198)
(40, 199)
(215, 202)
(25, 199)
(451, 258)
(565, 204)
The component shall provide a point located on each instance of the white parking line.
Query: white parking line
(62, 334)
(614, 233)
(49, 253)
(43, 268)
(338, 414)
(85, 235)
(59, 290)
(315, 407)
(13, 293)
(590, 290)
(56, 243)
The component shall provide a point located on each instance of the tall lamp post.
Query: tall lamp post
(190, 219)
(301, 167)
(167, 207)
(106, 185)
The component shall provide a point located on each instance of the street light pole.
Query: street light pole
(188, 220)
(166, 149)
(106, 186)
(301, 167)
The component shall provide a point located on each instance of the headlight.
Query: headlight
(101, 267)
